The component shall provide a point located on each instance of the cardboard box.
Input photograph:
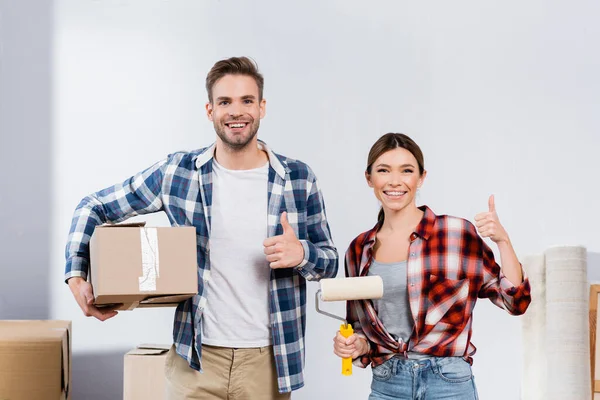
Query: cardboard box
(144, 373)
(35, 360)
(143, 267)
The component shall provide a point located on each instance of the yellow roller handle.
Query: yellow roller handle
(346, 331)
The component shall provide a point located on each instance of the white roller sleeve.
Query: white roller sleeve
(359, 288)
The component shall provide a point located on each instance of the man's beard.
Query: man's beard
(239, 142)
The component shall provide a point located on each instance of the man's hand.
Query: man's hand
(284, 251)
(84, 294)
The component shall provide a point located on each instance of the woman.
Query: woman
(417, 338)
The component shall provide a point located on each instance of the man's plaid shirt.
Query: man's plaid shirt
(181, 186)
(449, 268)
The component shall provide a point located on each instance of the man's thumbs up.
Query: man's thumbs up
(285, 250)
(287, 228)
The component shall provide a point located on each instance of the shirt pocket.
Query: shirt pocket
(447, 301)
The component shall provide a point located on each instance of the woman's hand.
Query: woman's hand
(352, 347)
(488, 224)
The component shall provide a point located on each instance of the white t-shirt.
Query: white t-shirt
(237, 308)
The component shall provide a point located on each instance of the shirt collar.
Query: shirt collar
(275, 161)
(423, 230)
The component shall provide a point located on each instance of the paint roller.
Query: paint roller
(344, 289)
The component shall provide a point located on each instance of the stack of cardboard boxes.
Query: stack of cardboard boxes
(135, 267)
(131, 267)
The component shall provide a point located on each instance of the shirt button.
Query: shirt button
(373, 323)
(412, 254)
(412, 284)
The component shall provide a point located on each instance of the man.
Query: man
(261, 230)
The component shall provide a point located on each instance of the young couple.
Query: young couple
(262, 233)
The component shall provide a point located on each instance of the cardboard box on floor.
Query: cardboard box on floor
(144, 373)
(35, 360)
(143, 267)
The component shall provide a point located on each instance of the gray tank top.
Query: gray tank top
(393, 308)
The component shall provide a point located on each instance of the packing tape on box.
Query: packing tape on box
(150, 267)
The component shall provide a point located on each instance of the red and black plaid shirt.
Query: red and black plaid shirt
(449, 268)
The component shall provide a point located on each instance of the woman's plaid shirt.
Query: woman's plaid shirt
(449, 268)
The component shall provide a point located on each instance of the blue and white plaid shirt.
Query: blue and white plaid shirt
(181, 186)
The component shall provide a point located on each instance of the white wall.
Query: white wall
(500, 95)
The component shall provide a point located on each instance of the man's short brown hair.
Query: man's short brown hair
(234, 66)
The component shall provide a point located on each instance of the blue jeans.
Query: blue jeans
(434, 378)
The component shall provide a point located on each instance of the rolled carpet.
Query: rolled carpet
(567, 324)
(534, 382)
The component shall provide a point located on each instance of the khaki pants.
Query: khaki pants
(228, 374)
